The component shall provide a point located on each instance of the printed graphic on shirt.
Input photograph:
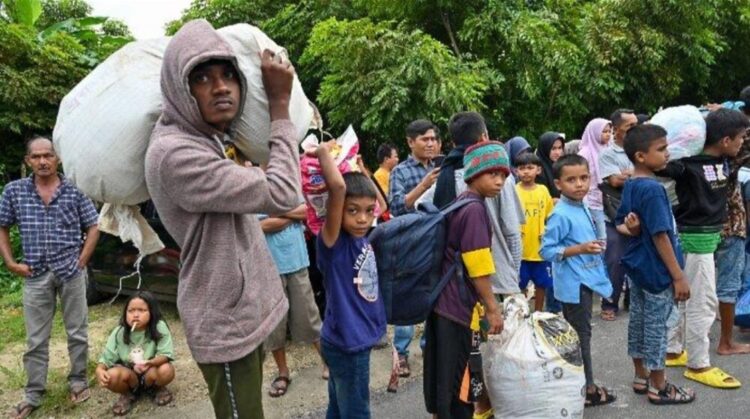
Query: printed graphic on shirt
(714, 172)
(367, 274)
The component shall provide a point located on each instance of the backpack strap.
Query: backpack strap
(458, 205)
(444, 279)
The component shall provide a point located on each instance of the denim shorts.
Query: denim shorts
(650, 316)
(730, 267)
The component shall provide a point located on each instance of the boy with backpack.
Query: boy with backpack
(355, 315)
(537, 206)
(570, 243)
(467, 250)
(653, 261)
(701, 186)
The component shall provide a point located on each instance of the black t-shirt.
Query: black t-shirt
(701, 186)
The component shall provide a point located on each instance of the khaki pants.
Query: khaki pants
(700, 311)
(302, 319)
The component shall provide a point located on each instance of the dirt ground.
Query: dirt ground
(188, 386)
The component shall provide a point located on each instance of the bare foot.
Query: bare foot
(733, 349)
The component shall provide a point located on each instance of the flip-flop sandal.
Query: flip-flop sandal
(162, 396)
(671, 394)
(80, 396)
(714, 377)
(22, 410)
(276, 388)
(123, 405)
(600, 397)
(640, 385)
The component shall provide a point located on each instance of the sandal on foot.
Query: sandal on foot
(22, 410)
(608, 315)
(600, 396)
(714, 377)
(123, 405)
(403, 366)
(162, 396)
(640, 385)
(487, 414)
(279, 386)
(80, 396)
(671, 394)
(680, 361)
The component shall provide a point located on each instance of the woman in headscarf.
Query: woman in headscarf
(515, 146)
(550, 149)
(594, 140)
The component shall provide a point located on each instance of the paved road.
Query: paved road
(307, 397)
(614, 369)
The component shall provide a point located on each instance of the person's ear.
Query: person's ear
(538, 170)
(484, 137)
(558, 184)
(639, 156)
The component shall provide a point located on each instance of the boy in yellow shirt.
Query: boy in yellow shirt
(537, 205)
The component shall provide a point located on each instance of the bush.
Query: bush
(10, 282)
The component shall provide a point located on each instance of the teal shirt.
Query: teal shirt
(288, 247)
(117, 352)
(570, 224)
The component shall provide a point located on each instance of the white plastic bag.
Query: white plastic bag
(534, 368)
(686, 130)
(104, 124)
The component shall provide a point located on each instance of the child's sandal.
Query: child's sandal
(640, 385)
(162, 396)
(123, 405)
(671, 394)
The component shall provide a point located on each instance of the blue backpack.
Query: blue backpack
(409, 251)
(742, 311)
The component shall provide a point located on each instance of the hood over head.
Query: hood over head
(515, 146)
(195, 43)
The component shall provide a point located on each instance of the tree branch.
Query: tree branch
(447, 25)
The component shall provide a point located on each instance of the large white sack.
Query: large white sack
(534, 368)
(104, 123)
(686, 130)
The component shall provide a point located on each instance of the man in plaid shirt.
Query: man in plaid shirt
(409, 180)
(51, 214)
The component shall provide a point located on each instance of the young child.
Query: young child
(449, 327)
(570, 243)
(138, 355)
(701, 186)
(537, 206)
(653, 261)
(355, 315)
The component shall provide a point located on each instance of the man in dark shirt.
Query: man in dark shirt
(51, 214)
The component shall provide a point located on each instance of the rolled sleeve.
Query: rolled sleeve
(87, 211)
(164, 347)
(397, 193)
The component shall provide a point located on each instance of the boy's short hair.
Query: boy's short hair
(358, 185)
(466, 128)
(419, 127)
(384, 152)
(616, 116)
(640, 138)
(724, 123)
(528, 158)
(568, 160)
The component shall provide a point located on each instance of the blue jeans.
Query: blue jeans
(650, 315)
(746, 275)
(730, 266)
(348, 383)
(402, 336)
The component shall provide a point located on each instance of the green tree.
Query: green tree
(379, 77)
(38, 67)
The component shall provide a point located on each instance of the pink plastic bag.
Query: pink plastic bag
(313, 185)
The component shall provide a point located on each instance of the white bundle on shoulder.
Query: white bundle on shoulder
(104, 124)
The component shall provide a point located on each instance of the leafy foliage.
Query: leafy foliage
(40, 64)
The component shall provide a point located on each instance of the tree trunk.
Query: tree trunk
(447, 25)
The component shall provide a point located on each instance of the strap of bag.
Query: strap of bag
(457, 205)
(444, 279)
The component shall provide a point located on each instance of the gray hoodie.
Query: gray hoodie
(229, 295)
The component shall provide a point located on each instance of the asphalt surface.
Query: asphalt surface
(614, 369)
